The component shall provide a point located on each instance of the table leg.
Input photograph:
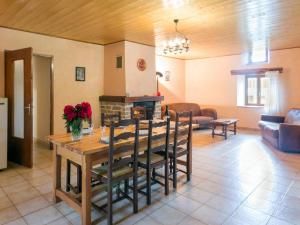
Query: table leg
(225, 131)
(213, 131)
(234, 128)
(56, 174)
(86, 190)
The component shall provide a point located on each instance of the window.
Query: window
(255, 90)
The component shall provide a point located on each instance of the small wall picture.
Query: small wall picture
(80, 73)
(167, 76)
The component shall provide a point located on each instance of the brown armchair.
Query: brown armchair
(202, 117)
(282, 132)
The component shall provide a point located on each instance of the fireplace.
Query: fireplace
(123, 104)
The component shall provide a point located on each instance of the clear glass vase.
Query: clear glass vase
(76, 132)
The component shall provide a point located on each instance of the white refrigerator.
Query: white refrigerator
(3, 133)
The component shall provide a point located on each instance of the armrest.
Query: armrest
(209, 112)
(289, 137)
(274, 119)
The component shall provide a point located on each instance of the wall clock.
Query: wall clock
(141, 64)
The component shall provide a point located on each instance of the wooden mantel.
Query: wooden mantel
(124, 99)
(255, 71)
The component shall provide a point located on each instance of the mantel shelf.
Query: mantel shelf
(124, 99)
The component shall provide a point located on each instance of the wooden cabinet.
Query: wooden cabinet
(3, 133)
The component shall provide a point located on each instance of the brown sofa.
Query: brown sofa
(282, 132)
(200, 116)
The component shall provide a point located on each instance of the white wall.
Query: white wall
(67, 55)
(174, 89)
(41, 103)
(209, 83)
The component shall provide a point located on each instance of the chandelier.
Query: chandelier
(177, 45)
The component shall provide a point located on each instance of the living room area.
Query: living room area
(214, 83)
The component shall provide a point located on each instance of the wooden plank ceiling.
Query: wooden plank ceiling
(215, 27)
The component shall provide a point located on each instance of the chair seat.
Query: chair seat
(102, 171)
(180, 151)
(155, 158)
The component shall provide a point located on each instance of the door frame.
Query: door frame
(51, 93)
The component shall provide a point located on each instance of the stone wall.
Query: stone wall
(115, 107)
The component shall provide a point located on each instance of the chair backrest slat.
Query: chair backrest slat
(120, 155)
(158, 142)
(183, 130)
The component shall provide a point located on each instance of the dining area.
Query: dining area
(121, 161)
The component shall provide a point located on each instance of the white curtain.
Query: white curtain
(272, 104)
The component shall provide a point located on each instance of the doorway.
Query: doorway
(42, 99)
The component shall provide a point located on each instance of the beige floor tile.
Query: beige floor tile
(288, 214)
(45, 188)
(16, 188)
(11, 180)
(64, 208)
(32, 205)
(5, 202)
(261, 205)
(24, 195)
(147, 221)
(167, 215)
(184, 204)
(43, 216)
(251, 216)
(37, 181)
(191, 221)
(198, 195)
(61, 221)
(20, 221)
(225, 205)
(9, 214)
(209, 215)
(274, 221)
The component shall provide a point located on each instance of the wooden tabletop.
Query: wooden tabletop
(91, 143)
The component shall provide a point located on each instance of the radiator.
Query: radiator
(3, 133)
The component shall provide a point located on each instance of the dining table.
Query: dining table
(88, 152)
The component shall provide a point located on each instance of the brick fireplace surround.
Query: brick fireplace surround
(123, 104)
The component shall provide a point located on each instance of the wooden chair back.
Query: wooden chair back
(160, 142)
(122, 155)
(183, 130)
(139, 112)
(106, 119)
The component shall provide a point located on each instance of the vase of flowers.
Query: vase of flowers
(74, 117)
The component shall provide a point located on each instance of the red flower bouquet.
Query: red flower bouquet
(75, 115)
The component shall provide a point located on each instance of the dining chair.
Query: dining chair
(121, 166)
(107, 118)
(138, 112)
(181, 146)
(158, 141)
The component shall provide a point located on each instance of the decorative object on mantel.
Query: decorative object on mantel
(141, 64)
(80, 73)
(75, 116)
(255, 71)
(177, 45)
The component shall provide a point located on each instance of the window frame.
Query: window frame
(258, 80)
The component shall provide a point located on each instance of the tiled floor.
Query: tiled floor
(240, 181)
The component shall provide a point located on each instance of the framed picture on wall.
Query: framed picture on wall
(80, 74)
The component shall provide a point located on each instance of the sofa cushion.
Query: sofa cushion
(184, 107)
(262, 124)
(272, 129)
(201, 120)
(293, 117)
